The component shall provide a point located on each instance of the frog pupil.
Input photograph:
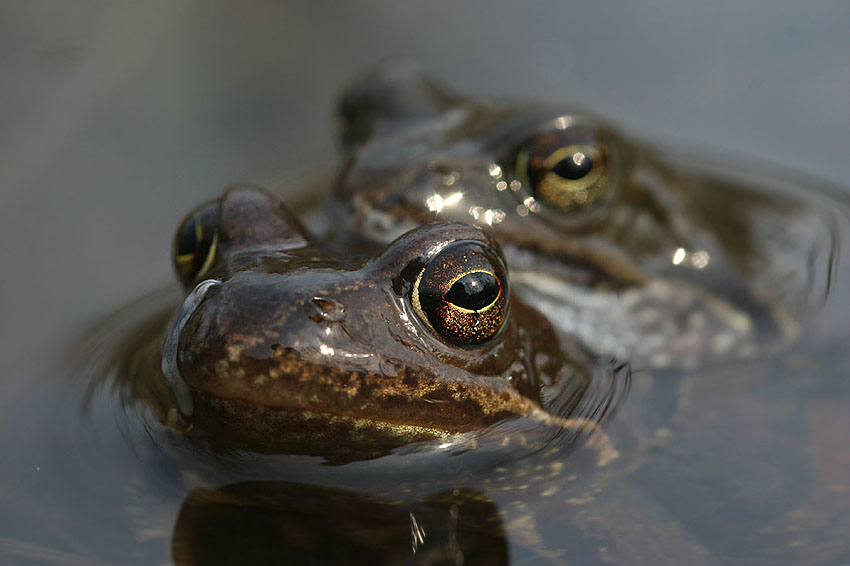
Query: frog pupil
(187, 240)
(474, 291)
(573, 167)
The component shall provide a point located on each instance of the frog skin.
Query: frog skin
(651, 260)
(284, 346)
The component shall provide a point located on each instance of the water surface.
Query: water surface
(118, 120)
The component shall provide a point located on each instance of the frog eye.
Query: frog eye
(195, 242)
(462, 293)
(569, 168)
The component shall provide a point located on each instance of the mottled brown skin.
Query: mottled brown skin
(299, 350)
(413, 147)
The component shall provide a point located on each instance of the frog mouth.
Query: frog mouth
(296, 391)
(277, 430)
(170, 370)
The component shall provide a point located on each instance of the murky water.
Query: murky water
(121, 120)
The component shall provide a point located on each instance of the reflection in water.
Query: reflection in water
(284, 523)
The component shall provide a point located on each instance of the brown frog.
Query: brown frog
(290, 344)
(642, 253)
(286, 344)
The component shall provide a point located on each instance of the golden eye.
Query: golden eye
(195, 243)
(568, 169)
(462, 293)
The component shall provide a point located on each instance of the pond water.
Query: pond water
(118, 121)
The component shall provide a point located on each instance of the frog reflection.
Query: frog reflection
(282, 345)
(643, 256)
(278, 522)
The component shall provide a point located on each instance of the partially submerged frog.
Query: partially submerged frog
(283, 345)
(288, 344)
(644, 257)
(411, 368)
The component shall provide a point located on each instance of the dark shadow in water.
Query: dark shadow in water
(287, 523)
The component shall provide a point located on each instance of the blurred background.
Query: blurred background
(117, 118)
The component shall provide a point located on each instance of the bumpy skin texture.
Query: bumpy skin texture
(295, 349)
(651, 249)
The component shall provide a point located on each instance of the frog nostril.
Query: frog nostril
(327, 310)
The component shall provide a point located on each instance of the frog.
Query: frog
(290, 343)
(397, 359)
(346, 309)
(643, 252)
